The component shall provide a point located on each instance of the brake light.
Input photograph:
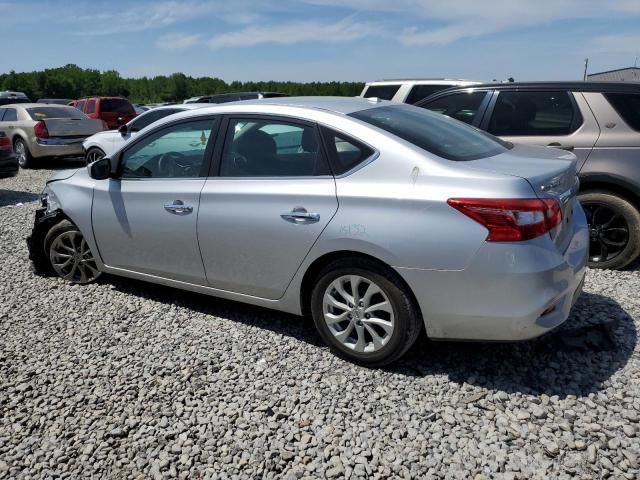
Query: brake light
(511, 220)
(40, 130)
(4, 140)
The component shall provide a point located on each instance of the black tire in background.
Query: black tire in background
(407, 319)
(614, 229)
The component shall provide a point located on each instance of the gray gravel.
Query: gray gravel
(122, 379)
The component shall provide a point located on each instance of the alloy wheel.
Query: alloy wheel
(21, 153)
(94, 155)
(358, 313)
(608, 231)
(72, 259)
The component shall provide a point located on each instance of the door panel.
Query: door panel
(134, 231)
(520, 117)
(247, 246)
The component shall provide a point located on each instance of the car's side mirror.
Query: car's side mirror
(123, 129)
(100, 169)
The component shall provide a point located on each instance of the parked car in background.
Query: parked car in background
(8, 161)
(410, 220)
(234, 97)
(13, 97)
(115, 111)
(598, 121)
(38, 130)
(410, 90)
(55, 101)
(105, 143)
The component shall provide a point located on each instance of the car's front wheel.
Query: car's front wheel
(614, 229)
(25, 159)
(364, 312)
(69, 254)
(94, 154)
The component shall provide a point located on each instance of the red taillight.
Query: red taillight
(40, 130)
(4, 141)
(511, 219)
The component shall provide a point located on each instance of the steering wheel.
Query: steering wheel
(167, 163)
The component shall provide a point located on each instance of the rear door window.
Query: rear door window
(384, 92)
(91, 106)
(257, 147)
(10, 115)
(80, 105)
(462, 106)
(545, 113)
(418, 92)
(628, 107)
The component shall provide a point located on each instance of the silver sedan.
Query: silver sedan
(378, 219)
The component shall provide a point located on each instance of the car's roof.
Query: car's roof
(577, 86)
(424, 81)
(36, 105)
(344, 105)
(179, 106)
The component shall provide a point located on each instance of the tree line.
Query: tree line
(72, 82)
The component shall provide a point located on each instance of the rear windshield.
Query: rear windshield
(41, 113)
(434, 133)
(385, 92)
(117, 105)
(628, 107)
(9, 101)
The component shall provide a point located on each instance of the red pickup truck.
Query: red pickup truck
(113, 111)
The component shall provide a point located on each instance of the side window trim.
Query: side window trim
(221, 140)
(206, 161)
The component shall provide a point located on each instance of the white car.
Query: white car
(107, 142)
(410, 90)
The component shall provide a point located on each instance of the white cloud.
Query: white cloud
(178, 41)
(295, 32)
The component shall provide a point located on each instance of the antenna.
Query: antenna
(586, 64)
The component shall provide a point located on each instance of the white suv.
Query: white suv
(410, 90)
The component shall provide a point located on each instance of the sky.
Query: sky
(323, 40)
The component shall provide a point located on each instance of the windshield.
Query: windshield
(433, 132)
(41, 113)
(117, 105)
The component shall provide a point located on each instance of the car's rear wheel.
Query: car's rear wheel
(69, 254)
(364, 312)
(614, 229)
(94, 154)
(25, 159)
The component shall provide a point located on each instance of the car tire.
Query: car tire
(93, 154)
(25, 159)
(353, 337)
(69, 254)
(612, 215)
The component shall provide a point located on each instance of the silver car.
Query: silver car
(378, 219)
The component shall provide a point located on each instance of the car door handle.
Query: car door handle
(178, 208)
(562, 147)
(300, 216)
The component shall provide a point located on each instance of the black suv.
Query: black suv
(598, 121)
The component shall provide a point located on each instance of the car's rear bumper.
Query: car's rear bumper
(509, 292)
(56, 147)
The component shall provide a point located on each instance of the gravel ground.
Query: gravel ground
(121, 379)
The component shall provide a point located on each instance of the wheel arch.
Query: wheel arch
(306, 286)
(613, 184)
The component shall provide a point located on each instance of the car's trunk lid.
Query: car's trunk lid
(73, 127)
(550, 172)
